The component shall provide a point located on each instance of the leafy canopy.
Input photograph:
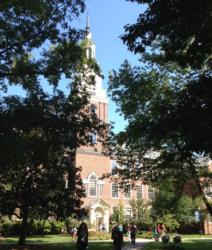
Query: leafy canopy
(181, 29)
(27, 30)
(167, 100)
(41, 129)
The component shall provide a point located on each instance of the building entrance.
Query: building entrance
(99, 214)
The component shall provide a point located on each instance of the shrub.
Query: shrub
(99, 235)
(192, 228)
(34, 227)
(144, 234)
(10, 228)
(37, 227)
(177, 239)
(165, 239)
(56, 226)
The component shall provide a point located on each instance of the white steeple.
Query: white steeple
(97, 91)
(88, 34)
(91, 48)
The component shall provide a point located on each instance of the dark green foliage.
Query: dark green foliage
(39, 131)
(181, 29)
(172, 207)
(34, 227)
(27, 29)
(168, 100)
(177, 239)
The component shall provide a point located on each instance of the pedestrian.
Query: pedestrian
(82, 237)
(128, 232)
(121, 228)
(117, 237)
(161, 230)
(133, 231)
(155, 233)
(74, 233)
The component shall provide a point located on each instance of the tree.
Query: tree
(155, 142)
(179, 32)
(181, 29)
(40, 131)
(171, 206)
(27, 30)
(141, 213)
(38, 173)
(167, 101)
(118, 214)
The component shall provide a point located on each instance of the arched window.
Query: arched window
(93, 185)
(89, 53)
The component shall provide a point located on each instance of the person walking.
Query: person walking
(74, 233)
(155, 233)
(117, 237)
(133, 231)
(161, 230)
(82, 237)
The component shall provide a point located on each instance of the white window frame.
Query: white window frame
(90, 183)
(152, 192)
(130, 193)
(100, 189)
(114, 197)
(128, 212)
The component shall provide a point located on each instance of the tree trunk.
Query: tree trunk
(22, 238)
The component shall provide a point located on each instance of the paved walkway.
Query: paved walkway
(138, 245)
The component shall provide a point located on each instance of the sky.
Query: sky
(107, 21)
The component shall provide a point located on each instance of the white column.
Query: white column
(92, 216)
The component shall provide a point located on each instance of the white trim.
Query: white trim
(142, 191)
(100, 182)
(116, 198)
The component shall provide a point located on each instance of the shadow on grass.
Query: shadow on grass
(56, 246)
(37, 239)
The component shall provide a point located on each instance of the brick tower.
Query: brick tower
(102, 195)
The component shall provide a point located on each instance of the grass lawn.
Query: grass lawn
(50, 242)
(64, 242)
(188, 244)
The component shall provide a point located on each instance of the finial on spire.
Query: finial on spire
(87, 25)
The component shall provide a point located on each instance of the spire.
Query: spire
(87, 24)
(87, 29)
(90, 46)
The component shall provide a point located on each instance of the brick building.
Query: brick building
(102, 195)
